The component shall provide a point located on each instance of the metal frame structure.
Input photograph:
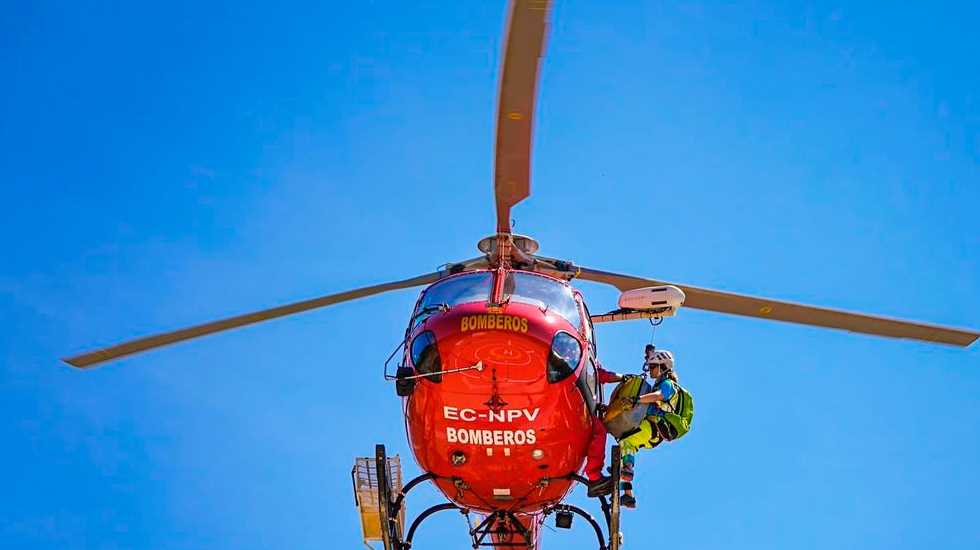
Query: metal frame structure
(503, 529)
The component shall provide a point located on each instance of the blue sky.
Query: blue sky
(164, 164)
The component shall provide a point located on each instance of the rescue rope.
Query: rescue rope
(653, 331)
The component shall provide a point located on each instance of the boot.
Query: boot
(627, 501)
(601, 486)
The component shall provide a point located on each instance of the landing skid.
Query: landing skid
(379, 495)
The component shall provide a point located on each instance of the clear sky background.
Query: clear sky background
(162, 164)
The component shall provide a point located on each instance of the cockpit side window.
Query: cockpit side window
(588, 326)
(588, 384)
(547, 294)
(461, 289)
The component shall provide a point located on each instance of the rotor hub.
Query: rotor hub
(488, 245)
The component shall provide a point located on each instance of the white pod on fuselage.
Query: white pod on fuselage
(652, 298)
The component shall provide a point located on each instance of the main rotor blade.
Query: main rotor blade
(766, 308)
(515, 107)
(94, 358)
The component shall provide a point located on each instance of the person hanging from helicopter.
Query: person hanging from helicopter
(670, 410)
(596, 454)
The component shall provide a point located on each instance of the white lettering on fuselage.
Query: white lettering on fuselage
(503, 415)
(491, 437)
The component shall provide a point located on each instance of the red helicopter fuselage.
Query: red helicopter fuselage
(498, 437)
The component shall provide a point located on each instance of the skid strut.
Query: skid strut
(422, 517)
(588, 517)
(610, 508)
(615, 537)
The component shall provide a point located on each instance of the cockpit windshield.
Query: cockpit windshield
(462, 289)
(552, 296)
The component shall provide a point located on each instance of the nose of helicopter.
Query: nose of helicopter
(499, 430)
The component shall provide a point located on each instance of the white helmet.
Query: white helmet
(663, 358)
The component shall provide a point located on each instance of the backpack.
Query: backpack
(677, 421)
(621, 421)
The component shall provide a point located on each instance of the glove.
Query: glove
(627, 377)
(631, 401)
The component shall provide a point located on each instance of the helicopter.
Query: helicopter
(497, 374)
